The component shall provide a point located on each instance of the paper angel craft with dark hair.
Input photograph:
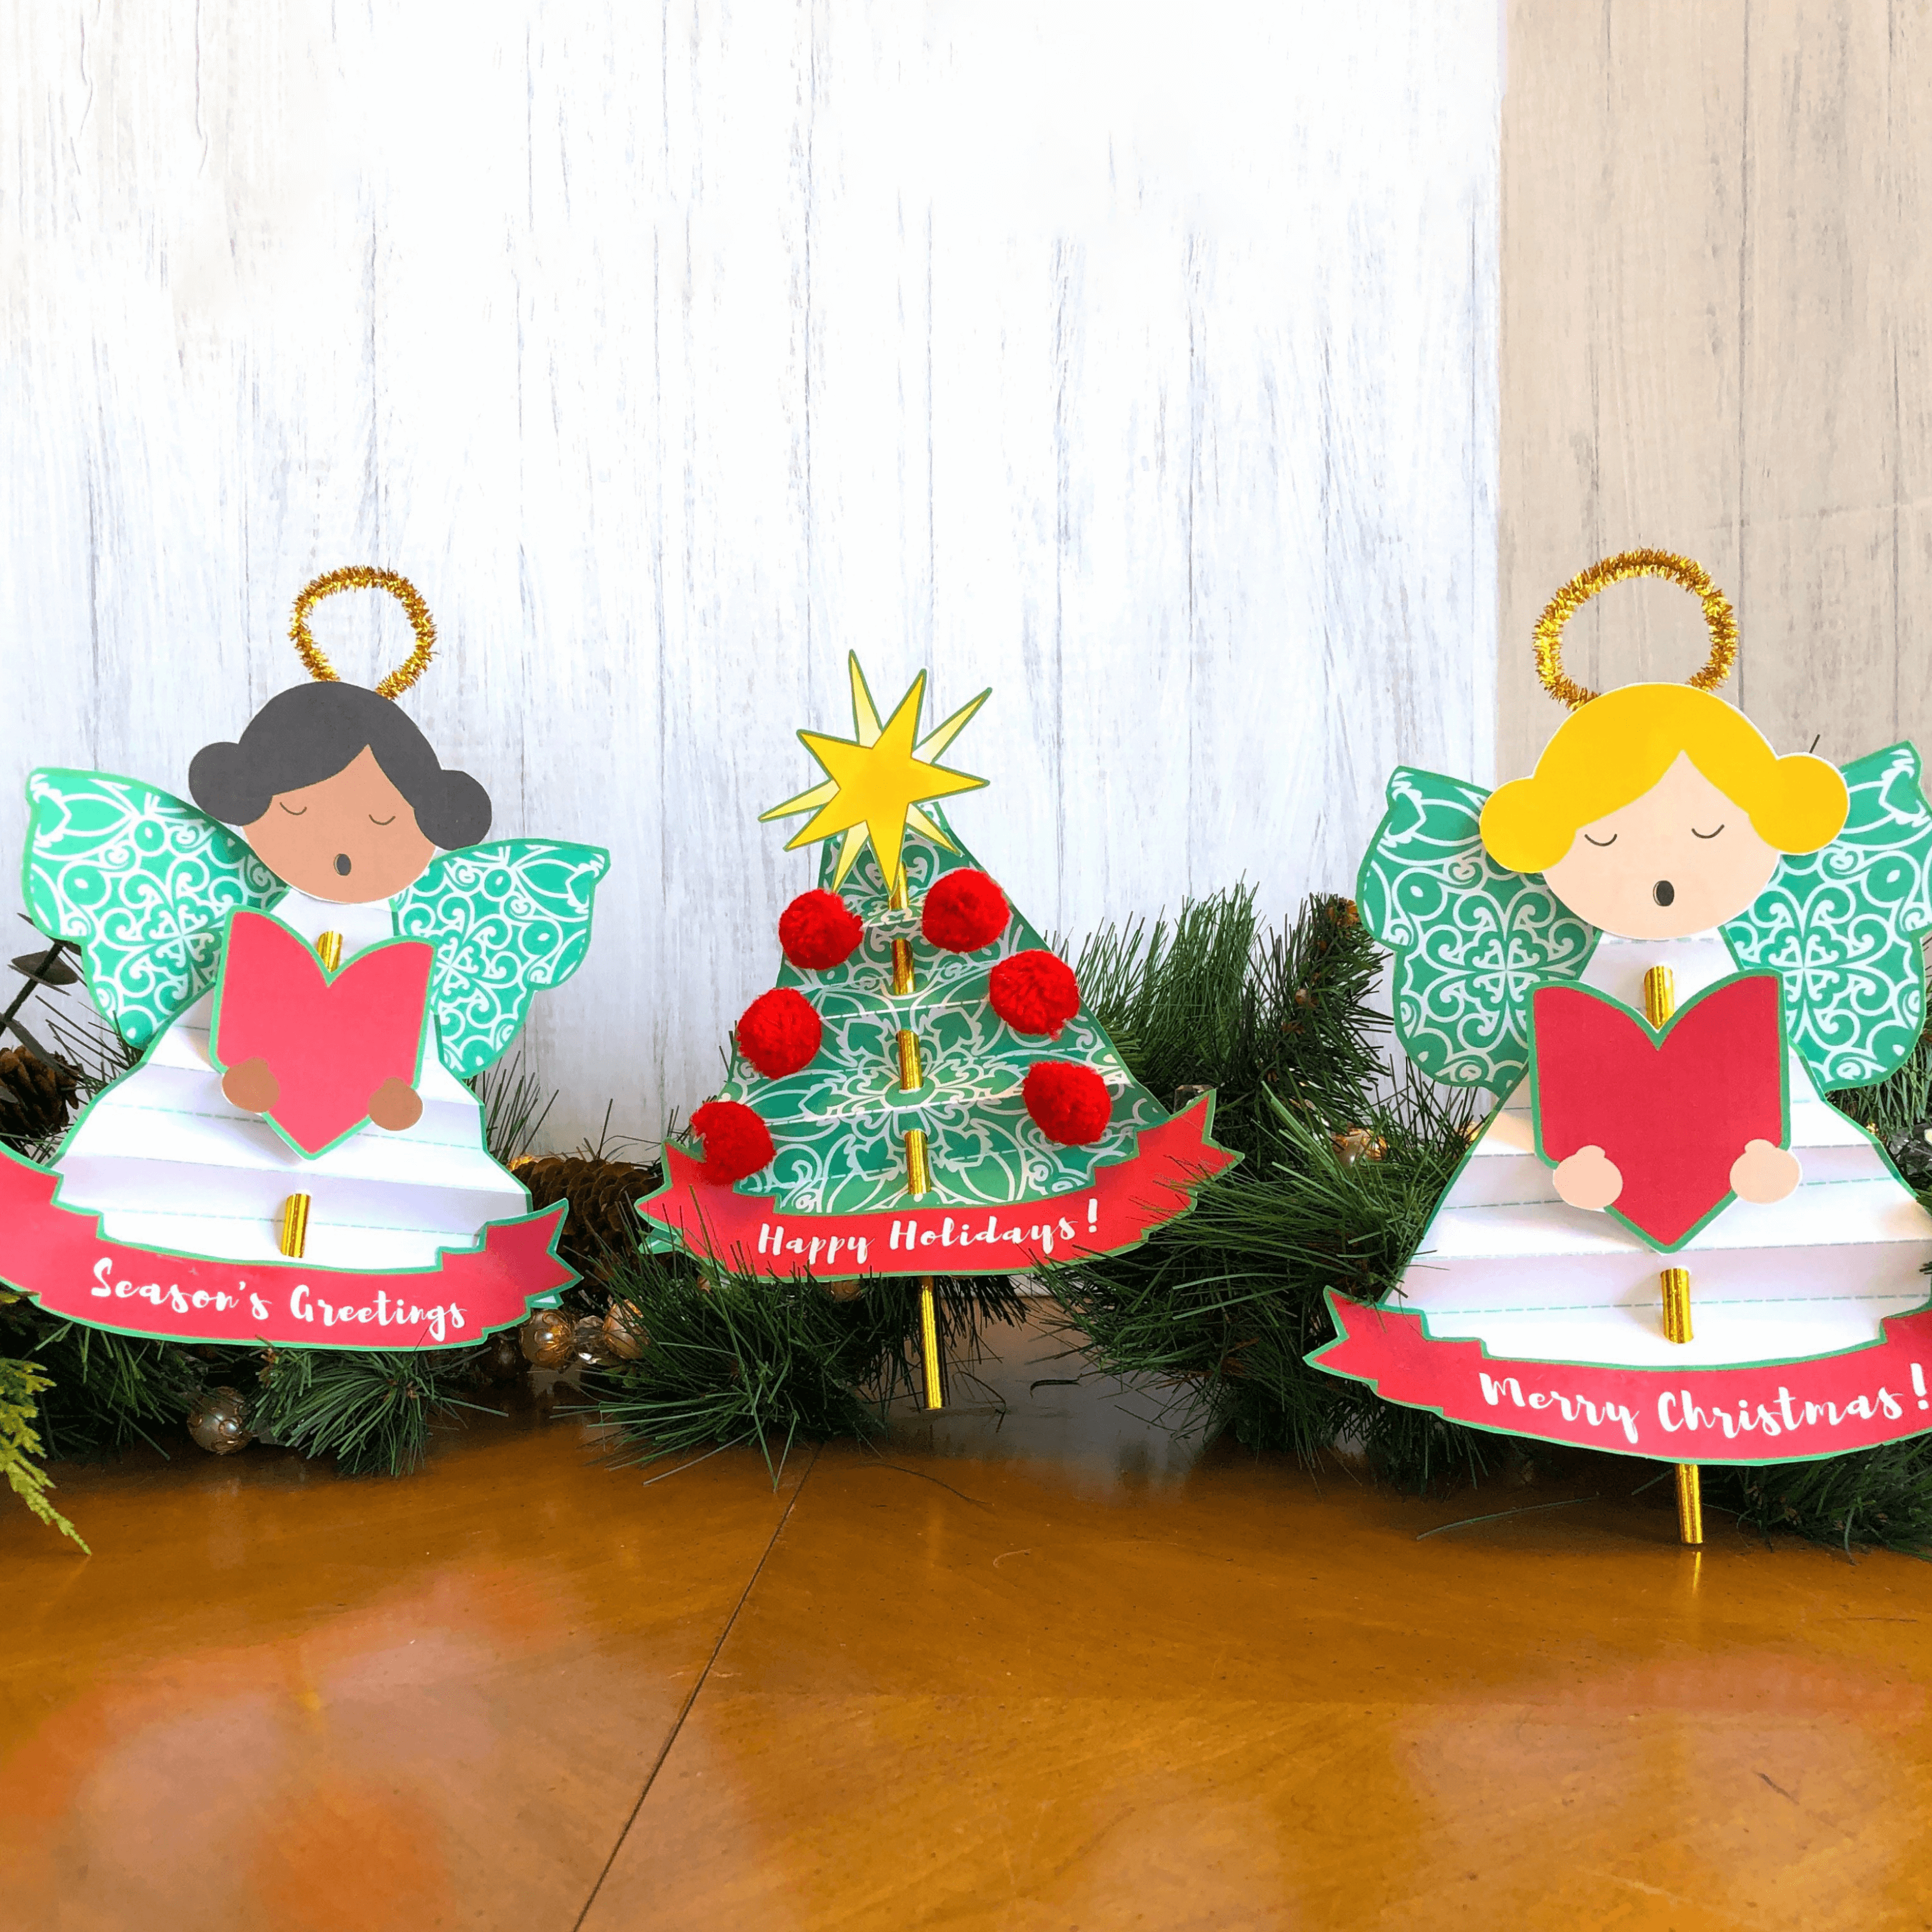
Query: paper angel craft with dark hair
(1661, 951)
(313, 959)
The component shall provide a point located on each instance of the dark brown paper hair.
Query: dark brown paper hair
(301, 736)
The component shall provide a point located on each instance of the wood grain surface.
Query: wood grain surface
(1136, 360)
(1032, 1664)
(1715, 318)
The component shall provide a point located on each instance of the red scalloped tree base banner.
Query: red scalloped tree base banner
(59, 1256)
(1757, 1412)
(751, 1234)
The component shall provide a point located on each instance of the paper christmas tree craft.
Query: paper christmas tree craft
(312, 959)
(1660, 952)
(922, 1092)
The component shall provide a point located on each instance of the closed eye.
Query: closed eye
(391, 819)
(1696, 834)
(293, 811)
(1611, 840)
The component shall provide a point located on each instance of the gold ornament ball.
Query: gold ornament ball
(587, 1345)
(219, 1421)
(849, 1289)
(625, 1335)
(547, 1338)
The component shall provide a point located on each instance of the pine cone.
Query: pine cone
(35, 1099)
(602, 1195)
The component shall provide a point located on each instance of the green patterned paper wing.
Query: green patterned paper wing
(1840, 927)
(144, 882)
(507, 919)
(1471, 940)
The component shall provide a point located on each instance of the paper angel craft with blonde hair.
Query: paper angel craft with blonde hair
(1661, 951)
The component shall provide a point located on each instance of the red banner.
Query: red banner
(58, 1255)
(1759, 1412)
(751, 1234)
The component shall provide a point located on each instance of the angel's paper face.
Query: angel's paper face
(351, 838)
(1680, 859)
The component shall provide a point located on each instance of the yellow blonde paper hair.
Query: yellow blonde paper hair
(1608, 753)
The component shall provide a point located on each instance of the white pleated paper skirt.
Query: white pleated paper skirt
(1505, 1262)
(167, 1162)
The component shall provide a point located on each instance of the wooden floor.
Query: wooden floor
(1040, 1671)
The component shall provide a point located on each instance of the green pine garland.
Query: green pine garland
(1215, 1315)
(371, 1410)
(1345, 1158)
(99, 1393)
(734, 1360)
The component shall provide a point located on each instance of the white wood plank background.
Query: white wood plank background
(1716, 315)
(1138, 360)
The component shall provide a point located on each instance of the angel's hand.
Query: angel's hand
(1588, 1178)
(1764, 1172)
(395, 1104)
(251, 1085)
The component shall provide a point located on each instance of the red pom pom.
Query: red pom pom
(1068, 1104)
(778, 1033)
(1034, 992)
(819, 930)
(736, 1142)
(964, 911)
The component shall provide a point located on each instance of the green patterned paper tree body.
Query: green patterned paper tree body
(906, 1143)
(840, 1125)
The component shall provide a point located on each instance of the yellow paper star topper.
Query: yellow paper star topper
(877, 780)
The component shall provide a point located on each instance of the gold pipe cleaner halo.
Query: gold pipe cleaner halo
(1719, 618)
(365, 576)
